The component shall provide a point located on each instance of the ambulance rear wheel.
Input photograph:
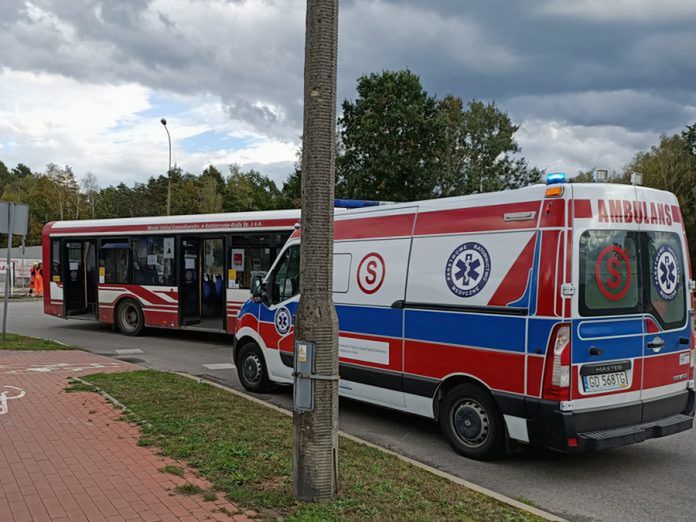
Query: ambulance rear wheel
(130, 318)
(471, 422)
(251, 369)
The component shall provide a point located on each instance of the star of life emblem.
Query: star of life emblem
(666, 272)
(468, 269)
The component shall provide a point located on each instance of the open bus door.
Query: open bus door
(79, 261)
(189, 281)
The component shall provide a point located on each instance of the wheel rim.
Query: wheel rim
(130, 318)
(252, 368)
(471, 423)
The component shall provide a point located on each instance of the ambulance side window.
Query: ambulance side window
(285, 282)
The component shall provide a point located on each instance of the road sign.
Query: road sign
(19, 220)
(13, 220)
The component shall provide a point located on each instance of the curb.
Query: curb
(470, 485)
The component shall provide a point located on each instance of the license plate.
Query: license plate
(605, 382)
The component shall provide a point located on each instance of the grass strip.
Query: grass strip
(23, 342)
(245, 450)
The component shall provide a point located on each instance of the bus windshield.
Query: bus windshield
(627, 272)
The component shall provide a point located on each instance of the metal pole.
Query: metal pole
(10, 208)
(169, 172)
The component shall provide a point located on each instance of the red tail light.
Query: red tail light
(557, 368)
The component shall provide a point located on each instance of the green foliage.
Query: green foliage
(56, 194)
(388, 140)
(671, 166)
(399, 143)
(689, 136)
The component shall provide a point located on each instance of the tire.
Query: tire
(251, 369)
(471, 423)
(129, 318)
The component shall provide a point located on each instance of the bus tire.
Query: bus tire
(472, 423)
(251, 369)
(129, 318)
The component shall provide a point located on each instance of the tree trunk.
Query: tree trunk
(315, 455)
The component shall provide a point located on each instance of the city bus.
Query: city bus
(555, 315)
(183, 272)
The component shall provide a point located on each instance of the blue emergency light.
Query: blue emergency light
(357, 203)
(553, 178)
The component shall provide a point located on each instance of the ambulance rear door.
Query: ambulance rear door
(607, 323)
(667, 318)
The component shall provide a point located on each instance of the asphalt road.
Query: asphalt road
(649, 481)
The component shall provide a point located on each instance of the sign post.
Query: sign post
(13, 220)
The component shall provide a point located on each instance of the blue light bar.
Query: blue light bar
(356, 203)
(553, 178)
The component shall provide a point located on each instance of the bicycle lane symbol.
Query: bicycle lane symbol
(4, 397)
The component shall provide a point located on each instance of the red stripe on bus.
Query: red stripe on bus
(174, 228)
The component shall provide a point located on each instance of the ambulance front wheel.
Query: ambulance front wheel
(471, 422)
(251, 369)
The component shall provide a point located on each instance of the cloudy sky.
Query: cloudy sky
(85, 82)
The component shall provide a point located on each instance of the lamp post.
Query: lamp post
(169, 171)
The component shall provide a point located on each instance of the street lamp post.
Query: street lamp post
(169, 171)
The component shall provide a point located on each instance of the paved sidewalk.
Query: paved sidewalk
(66, 456)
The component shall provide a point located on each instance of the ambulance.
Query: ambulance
(556, 315)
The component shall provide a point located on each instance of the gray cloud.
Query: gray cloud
(625, 64)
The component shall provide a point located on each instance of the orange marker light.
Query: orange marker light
(554, 192)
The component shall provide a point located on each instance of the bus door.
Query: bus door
(79, 277)
(189, 281)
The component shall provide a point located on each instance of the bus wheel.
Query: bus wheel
(251, 369)
(471, 422)
(129, 318)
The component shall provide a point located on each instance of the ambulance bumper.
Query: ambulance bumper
(611, 427)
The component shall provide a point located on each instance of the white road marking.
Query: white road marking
(55, 368)
(4, 398)
(220, 366)
(129, 351)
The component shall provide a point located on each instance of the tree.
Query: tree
(250, 190)
(90, 189)
(670, 166)
(481, 147)
(389, 138)
(210, 199)
(5, 176)
(689, 136)
(315, 448)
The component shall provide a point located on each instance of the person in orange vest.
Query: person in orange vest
(39, 281)
(32, 278)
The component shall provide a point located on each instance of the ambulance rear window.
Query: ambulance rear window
(609, 277)
(627, 272)
(665, 267)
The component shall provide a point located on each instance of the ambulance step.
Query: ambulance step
(615, 437)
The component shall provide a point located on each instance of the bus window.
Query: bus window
(114, 261)
(153, 261)
(251, 256)
(55, 261)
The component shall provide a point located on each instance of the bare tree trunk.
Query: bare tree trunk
(315, 455)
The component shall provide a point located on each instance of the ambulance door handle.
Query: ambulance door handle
(596, 352)
(656, 344)
(684, 340)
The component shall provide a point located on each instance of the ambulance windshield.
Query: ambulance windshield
(628, 272)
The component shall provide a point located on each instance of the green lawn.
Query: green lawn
(22, 342)
(245, 450)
